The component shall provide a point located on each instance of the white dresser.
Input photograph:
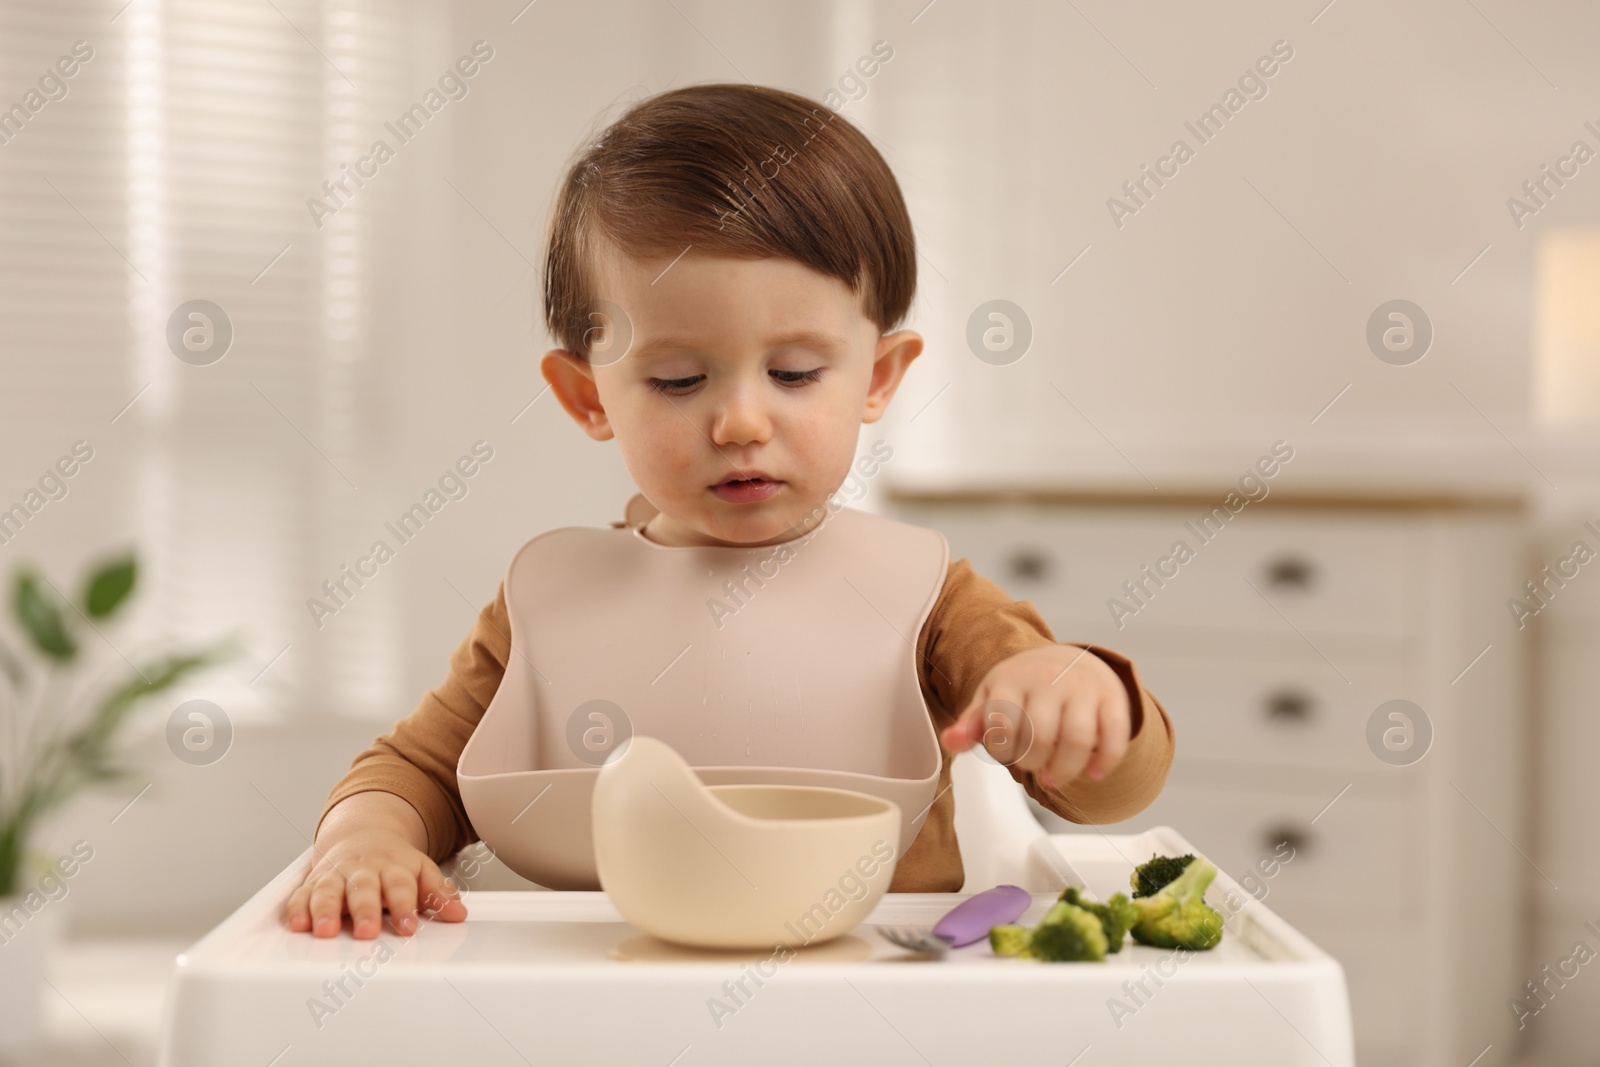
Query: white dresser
(1271, 648)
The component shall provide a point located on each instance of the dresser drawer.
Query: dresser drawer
(1280, 712)
(1320, 572)
(1360, 860)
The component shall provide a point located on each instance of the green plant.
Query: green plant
(54, 749)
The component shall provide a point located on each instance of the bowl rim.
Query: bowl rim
(594, 772)
(885, 806)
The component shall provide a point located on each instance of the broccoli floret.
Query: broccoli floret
(1177, 916)
(1009, 940)
(1116, 915)
(1149, 877)
(1067, 933)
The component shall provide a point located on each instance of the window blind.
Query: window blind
(176, 167)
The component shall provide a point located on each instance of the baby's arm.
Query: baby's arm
(974, 627)
(397, 813)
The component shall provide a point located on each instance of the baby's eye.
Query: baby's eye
(797, 377)
(674, 386)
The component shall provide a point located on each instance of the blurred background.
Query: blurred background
(1382, 258)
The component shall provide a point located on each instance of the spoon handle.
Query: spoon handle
(970, 920)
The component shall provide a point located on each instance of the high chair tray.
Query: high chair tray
(535, 978)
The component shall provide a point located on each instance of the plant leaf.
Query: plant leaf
(83, 757)
(153, 679)
(109, 586)
(41, 618)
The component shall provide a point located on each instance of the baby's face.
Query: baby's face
(734, 365)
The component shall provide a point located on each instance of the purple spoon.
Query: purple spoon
(965, 923)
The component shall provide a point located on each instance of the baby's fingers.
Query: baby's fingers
(327, 904)
(439, 897)
(1077, 728)
(968, 728)
(302, 908)
(1113, 740)
(366, 907)
(400, 891)
(297, 912)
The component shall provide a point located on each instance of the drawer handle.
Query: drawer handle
(1297, 840)
(1290, 706)
(1029, 564)
(1291, 572)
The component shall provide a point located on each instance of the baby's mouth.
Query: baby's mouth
(746, 478)
(750, 488)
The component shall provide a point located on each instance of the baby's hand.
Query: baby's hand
(1074, 715)
(360, 871)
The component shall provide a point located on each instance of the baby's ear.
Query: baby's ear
(572, 380)
(895, 353)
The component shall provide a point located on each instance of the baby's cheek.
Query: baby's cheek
(656, 452)
(825, 446)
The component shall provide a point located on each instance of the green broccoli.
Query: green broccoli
(1149, 877)
(1009, 940)
(1177, 916)
(1116, 915)
(1067, 933)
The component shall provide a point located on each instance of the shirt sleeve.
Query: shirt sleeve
(416, 760)
(974, 625)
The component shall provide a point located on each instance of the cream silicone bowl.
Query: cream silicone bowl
(736, 866)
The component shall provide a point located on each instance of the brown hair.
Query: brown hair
(734, 170)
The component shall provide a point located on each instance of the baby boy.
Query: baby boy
(725, 271)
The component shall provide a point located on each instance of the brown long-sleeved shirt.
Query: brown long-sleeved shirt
(972, 627)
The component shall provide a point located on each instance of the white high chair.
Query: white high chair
(536, 977)
(994, 825)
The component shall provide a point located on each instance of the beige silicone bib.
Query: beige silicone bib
(789, 664)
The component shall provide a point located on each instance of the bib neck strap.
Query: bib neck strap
(639, 511)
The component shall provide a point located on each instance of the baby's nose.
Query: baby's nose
(742, 419)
